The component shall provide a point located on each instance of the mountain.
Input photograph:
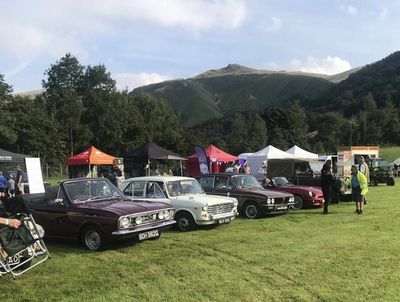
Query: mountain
(378, 81)
(235, 88)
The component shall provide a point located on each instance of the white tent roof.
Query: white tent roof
(297, 152)
(244, 155)
(270, 152)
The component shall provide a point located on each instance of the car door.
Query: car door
(54, 213)
(136, 190)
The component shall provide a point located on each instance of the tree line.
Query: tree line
(81, 106)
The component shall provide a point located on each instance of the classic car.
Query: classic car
(193, 207)
(96, 212)
(304, 196)
(254, 200)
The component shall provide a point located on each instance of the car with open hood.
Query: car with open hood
(192, 205)
(254, 200)
(96, 212)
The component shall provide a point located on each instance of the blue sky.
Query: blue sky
(146, 41)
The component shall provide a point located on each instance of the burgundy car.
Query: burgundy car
(96, 212)
(304, 196)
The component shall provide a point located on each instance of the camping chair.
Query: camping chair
(20, 249)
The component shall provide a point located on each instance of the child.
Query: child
(11, 187)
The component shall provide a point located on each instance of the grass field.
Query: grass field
(302, 256)
(390, 153)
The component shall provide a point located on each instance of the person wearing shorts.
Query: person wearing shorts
(359, 188)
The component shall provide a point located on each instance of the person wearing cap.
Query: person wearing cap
(363, 168)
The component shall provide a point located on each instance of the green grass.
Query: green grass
(302, 256)
(390, 153)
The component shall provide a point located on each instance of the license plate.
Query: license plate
(226, 220)
(149, 234)
(281, 208)
(13, 260)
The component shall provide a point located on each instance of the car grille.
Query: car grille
(284, 200)
(220, 208)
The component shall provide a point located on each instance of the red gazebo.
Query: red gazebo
(216, 157)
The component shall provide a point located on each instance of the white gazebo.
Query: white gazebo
(299, 153)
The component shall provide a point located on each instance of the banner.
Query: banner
(34, 175)
(203, 162)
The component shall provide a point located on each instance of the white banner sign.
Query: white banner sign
(34, 175)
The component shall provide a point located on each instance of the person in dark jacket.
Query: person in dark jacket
(327, 180)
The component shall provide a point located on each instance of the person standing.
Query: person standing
(363, 168)
(359, 188)
(11, 187)
(327, 180)
(3, 185)
(20, 180)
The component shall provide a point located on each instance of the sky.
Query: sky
(147, 41)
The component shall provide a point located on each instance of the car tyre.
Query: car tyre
(390, 181)
(93, 238)
(252, 210)
(298, 203)
(184, 221)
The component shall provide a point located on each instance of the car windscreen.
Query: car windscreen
(84, 190)
(246, 181)
(183, 187)
(280, 181)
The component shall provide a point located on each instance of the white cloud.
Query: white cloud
(383, 12)
(329, 65)
(274, 24)
(130, 81)
(349, 9)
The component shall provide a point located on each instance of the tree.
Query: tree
(239, 137)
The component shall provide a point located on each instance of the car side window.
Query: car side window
(207, 182)
(221, 182)
(135, 188)
(154, 191)
(61, 194)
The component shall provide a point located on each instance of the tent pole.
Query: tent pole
(180, 163)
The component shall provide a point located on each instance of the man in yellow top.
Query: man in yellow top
(359, 188)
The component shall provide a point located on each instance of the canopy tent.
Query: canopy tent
(89, 158)
(243, 157)
(32, 165)
(144, 154)
(215, 156)
(9, 157)
(300, 153)
(257, 159)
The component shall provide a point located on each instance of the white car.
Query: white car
(192, 205)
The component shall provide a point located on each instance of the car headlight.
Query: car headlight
(167, 215)
(124, 222)
(171, 214)
(291, 199)
(139, 220)
(161, 215)
(310, 193)
(270, 201)
(204, 207)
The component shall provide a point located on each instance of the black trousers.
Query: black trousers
(327, 191)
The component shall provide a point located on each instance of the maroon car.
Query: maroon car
(304, 196)
(96, 212)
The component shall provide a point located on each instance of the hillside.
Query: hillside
(235, 88)
(379, 80)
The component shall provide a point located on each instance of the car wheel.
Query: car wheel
(184, 221)
(390, 181)
(93, 238)
(298, 203)
(252, 210)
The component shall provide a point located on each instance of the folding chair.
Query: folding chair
(21, 249)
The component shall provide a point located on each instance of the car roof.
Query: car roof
(160, 178)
